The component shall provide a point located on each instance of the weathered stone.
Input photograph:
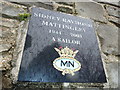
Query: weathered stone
(17, 55)
(12, 23)
(28, 3)
(1, 61)
(112, 72)
(9, 33)
(109, 58)
(65, 9)
(91, 10)
(112, 58)
(67, 3)
(108, 35)
(114, 19)
(110, 2)
(7, 56)
(5, 47)
(0, 31)
(8, 41)
(46, 5)
(38, 85)
(9, 27)
(5, 59)
(66, 85)
(6, 82)
(11, 10)
(0, 80)
(5, 65)
(113, 11)
(82, 85)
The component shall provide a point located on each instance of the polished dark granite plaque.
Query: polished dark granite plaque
(48, 30)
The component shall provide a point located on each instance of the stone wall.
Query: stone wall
(105, 15)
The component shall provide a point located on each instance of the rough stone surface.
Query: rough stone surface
(8, 35)
(111, 58)
(17, 55)
(0, 80)
(90, 9)
(8, 38)
(6, 82)
(108, 35)
(5, 47)
(11, 10)
(114, 20)
(11, 23)
(6, 57)
(46, 5)
(65, 9)
(7, 31)
(112, 71)
(82, 85)
(36, 85)
(111, 2)
(113, 11)
(7, 42)
(67, 3)
(5, 65)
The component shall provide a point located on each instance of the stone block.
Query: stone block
(10, 23)
(65, 9)
(114, 20)
(110, 2)
(9, 33)
(113, 11)
(6, 82)
(91, 10)
(11, 10)
(37, 3)
(112, 71)
(4, 47)
(67, 3)
(108, 35)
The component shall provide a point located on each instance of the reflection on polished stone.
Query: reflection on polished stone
(49, 30)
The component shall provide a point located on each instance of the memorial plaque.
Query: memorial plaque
(61, 48)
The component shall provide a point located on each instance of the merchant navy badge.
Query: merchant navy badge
(66, 62)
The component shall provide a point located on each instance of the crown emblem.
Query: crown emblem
(66, 52)
(66, 62)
